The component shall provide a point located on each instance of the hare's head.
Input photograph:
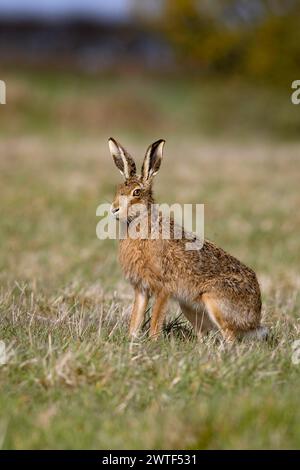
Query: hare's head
(136, 190)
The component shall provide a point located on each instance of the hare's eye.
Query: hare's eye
(136, 192)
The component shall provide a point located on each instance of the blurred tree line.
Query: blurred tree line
(257, 39)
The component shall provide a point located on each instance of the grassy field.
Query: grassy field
(73, 379)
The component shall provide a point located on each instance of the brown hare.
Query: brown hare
(215, 290)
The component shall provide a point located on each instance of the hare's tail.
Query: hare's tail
(261, 333)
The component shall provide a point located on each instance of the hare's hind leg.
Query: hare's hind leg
(234, 320)
(198, 317)
(216, 314)
(138, 311)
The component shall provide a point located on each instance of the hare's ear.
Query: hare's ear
(152, 159)
(122, 159)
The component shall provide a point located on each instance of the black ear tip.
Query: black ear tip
(112, 143)
(158, 142)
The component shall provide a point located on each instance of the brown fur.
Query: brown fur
(214, 289)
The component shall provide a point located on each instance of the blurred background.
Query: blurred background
(216, 68)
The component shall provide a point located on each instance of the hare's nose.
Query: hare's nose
(114, 210)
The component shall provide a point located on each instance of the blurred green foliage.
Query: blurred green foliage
(258, 40)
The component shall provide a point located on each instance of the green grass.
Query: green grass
(67, 104)
(73, 378)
